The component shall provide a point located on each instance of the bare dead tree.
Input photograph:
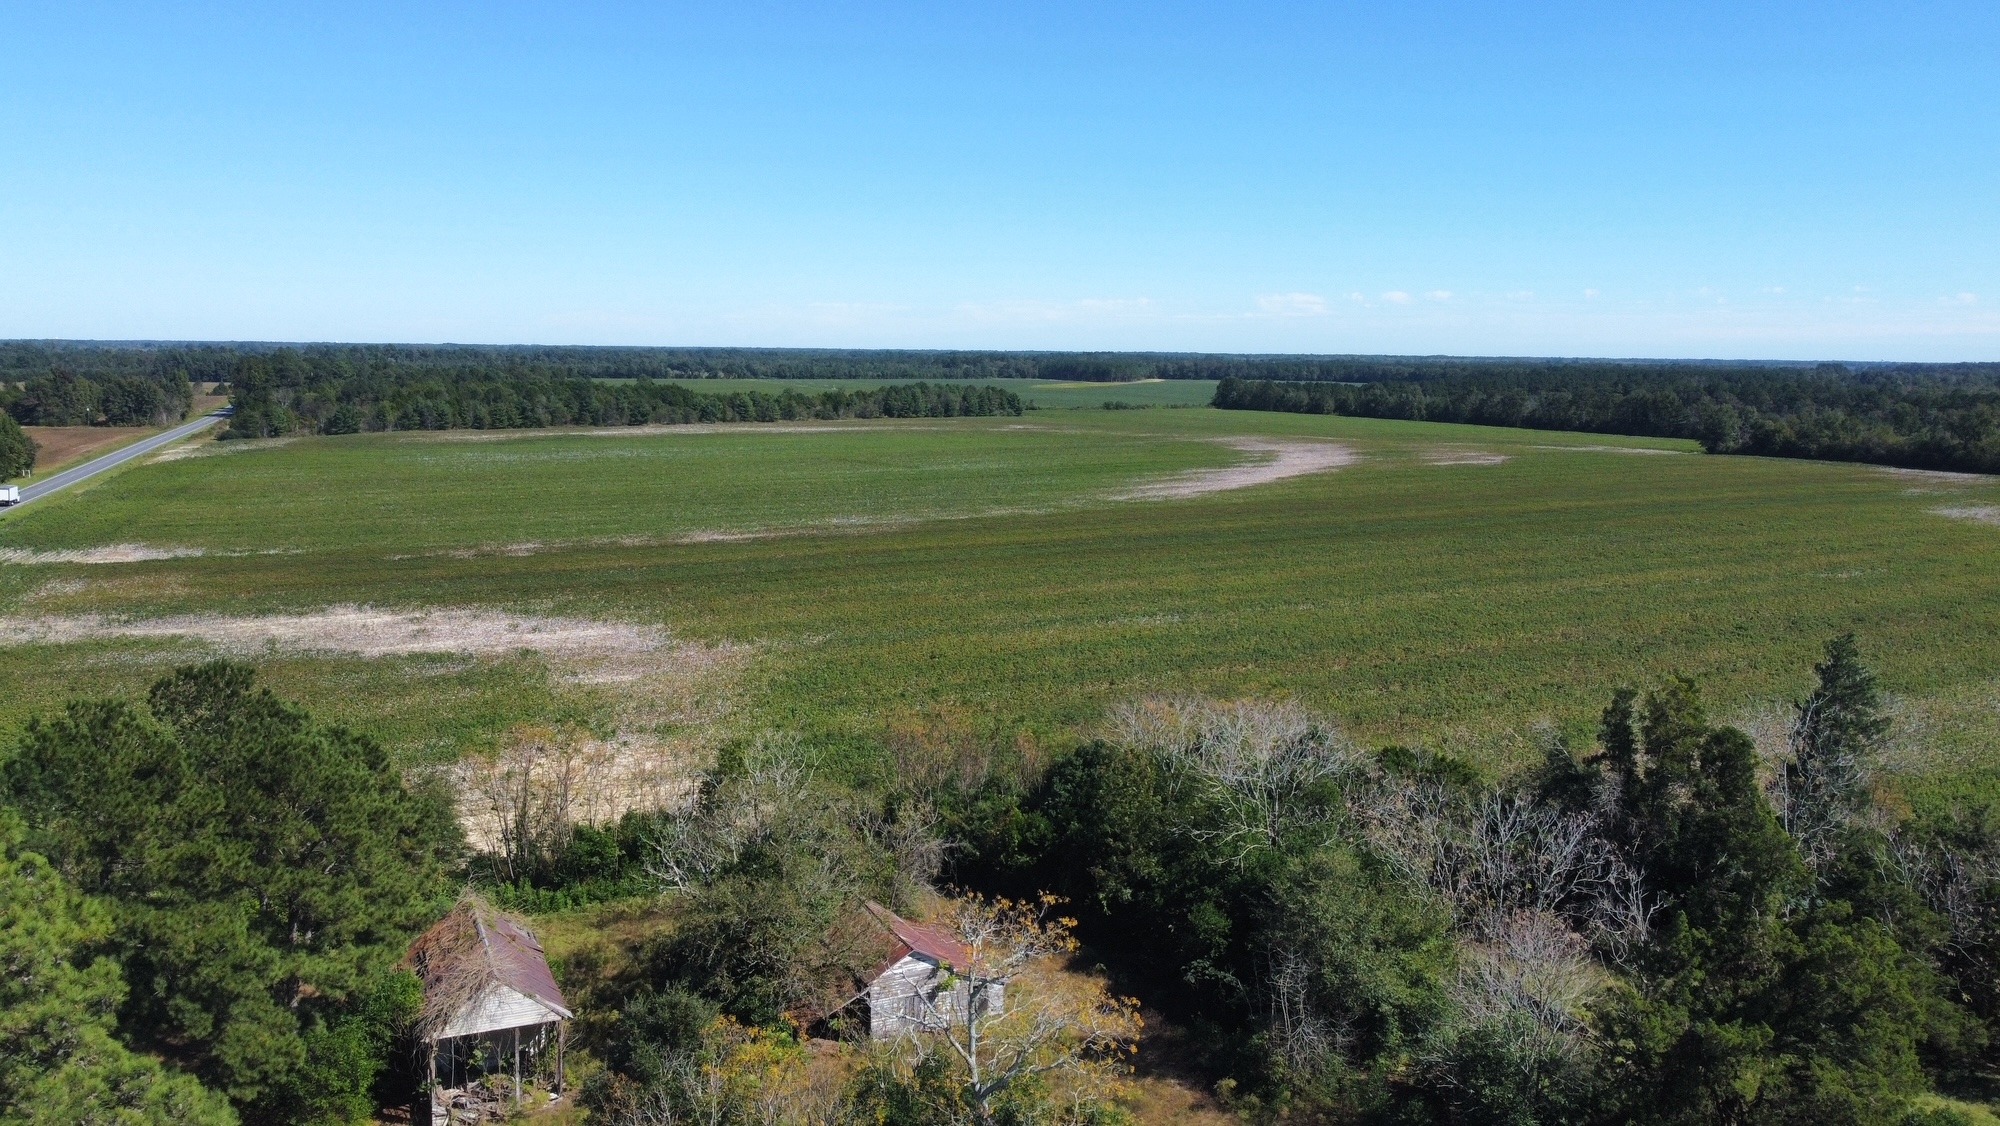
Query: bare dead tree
(519, 800)
(1958, 886)
(1823, 785)
(1302, 1033)
(1258, 761)
(1534, 965)
(1492, 860)
(689, 1094)
(1023, 1019)
(711, 833)
(1812, 788)
(1532, 984)
(913, 841)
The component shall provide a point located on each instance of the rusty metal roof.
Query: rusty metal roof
(932, 943)
(519, 964)
(470, 961)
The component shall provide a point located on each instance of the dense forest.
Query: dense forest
(204, 897)
(1935, 419)
(63, 398)
(286, 393)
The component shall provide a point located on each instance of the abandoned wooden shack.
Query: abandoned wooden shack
(925, 981)
(493, 1021)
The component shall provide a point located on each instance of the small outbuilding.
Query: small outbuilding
(925, 981)
(493, 1020)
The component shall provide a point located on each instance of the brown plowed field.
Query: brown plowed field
(66, 445)
(62, 445)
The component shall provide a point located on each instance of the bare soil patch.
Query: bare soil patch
(661, 430)
(1980, 513)
(584, 650)
(110, 553)
(673, 694)
(1937, 476)
(62, 445)
(1463, 457)
(1278, 461)
(594, 781)
(1086, 385)
(207, 445)
(1641, 450)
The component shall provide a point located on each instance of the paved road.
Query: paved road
(116, 458)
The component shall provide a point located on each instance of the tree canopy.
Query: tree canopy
(261, 873)
(1925, 418)
(59, 1060)
(17, 450)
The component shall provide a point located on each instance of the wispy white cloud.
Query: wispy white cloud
(1396, 297)
(1293, 305)
(1590, 294)
(1088, 309)
(1439, 295)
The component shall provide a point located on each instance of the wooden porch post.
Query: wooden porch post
(562, 1043)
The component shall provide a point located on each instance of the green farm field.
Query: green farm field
(1010, 579)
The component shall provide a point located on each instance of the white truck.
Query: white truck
(9, 494)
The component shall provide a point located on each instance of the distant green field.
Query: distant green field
(1045, 395)
(1454, 585)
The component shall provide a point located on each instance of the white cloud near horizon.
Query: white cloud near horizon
(1293, 305)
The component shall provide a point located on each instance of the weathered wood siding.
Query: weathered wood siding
(499, 1008)
(915, 995)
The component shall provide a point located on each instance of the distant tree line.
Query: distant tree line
(288, 393)
(215, 362)
(1927, 419)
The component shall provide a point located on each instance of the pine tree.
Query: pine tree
(1835, 739)
(262, 872)
(59, 1063)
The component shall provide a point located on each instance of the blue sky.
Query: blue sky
(1739, 180)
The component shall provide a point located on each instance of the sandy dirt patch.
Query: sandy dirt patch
(1980, 513)
(206, 445)
(1642, 450)
(61, 445)
(1278, 460)
(586, 781)
(1086, 384)
(1936, 476)
(584, 650)
(672, 696)
(112, 553)
(651, 431)
(1463, 457)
